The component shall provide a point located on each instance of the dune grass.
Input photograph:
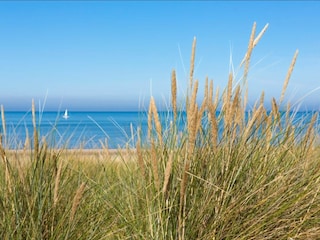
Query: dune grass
(229, 174)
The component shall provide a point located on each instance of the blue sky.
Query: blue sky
(106, 55)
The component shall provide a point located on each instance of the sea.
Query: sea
(79, 130)
(89, 130)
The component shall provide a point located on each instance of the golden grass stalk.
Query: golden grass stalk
(249, 52)
(204, 106)
(200, 115)
(193, 130)
(6, 164)
(192, 115)
(308, 138)
(236, 109)
(251, 122)
(262, 98)
(261, 122)
(156, 119)
(245, 98)
(227, 103)
(206, 90)
(290, 135)
(229, 89)
(150, 121)
(285, 85)
(35, 132)
(213, 120)
(214, 126)
(256, 41)
(210, 93)
(288, 113)
(269, 131)
(274, 107)
(3, 119)
(275, 112)
(154, 163)
(192, 112)
(227, 95)
(246, 60)
(174, 94)
(216, 99)
(167, 174)
(56, 185)
(209, 99)
(44, 144)
(193, 101)
(252, 43)
(76, 201)
(193, 53)
(140, 156)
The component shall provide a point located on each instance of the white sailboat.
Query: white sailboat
(65, 115)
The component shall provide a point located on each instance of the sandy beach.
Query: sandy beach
(79, 154)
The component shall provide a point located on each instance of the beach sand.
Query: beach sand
(78, 154)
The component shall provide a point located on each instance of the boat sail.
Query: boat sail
(65, 115)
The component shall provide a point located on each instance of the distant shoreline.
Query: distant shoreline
(85, 151)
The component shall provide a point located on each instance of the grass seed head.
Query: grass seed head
(193, 53)
(3, 119)
(249, 52)
(286, 81)
(167, 173)
(76, 201)
(156, 119)
(174, 94)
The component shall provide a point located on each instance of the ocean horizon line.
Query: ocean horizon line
(137, 111)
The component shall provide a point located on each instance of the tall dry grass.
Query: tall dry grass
(236, 174)
(228, 173)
